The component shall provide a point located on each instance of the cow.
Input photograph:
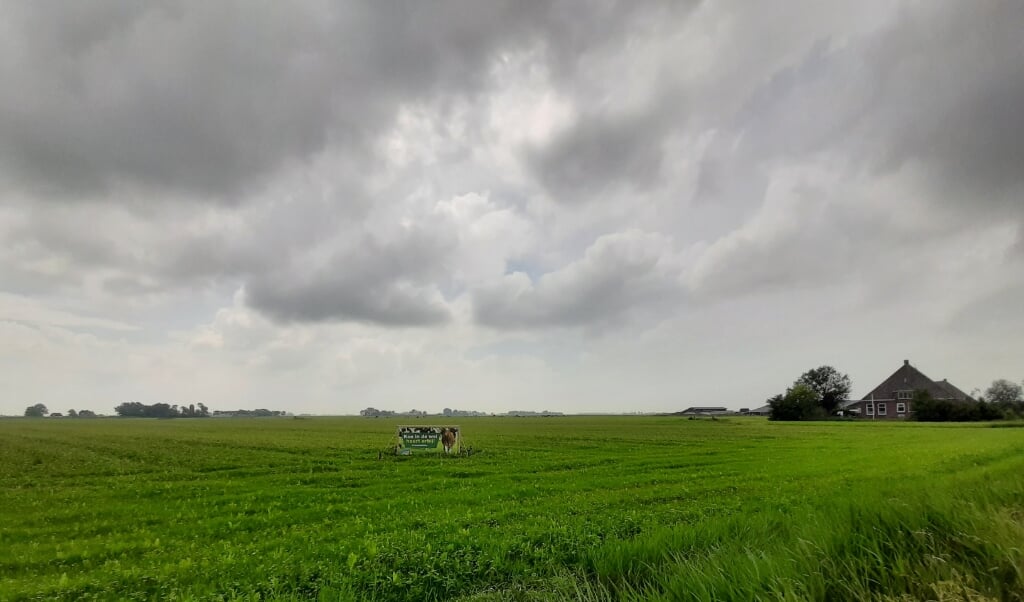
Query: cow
(448, 437)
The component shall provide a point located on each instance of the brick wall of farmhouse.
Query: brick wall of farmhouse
(890, 409)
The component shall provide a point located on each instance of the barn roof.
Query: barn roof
(909, 378)
(952, 390)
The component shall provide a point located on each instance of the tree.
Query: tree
(831, 385)
(780, 410)
(927, 409)
(37, 411)
(988, 411)
(141, 410)
(72, 413)
(801, 402)
(1004, 393)
(161, 410)
(131, 408)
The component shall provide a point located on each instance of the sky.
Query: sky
(589, 206)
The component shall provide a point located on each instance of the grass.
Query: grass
(603, 508)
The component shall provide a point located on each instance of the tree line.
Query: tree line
(136, 409)
(39, 410)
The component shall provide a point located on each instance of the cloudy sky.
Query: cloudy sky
(575, 206)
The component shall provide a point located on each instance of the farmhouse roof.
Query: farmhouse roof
(953, 391)
(909, 378)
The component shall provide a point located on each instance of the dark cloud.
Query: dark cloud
(390, 283)
(174, 95)
(950, 87)
(348, 298)
(204, 97)
(612, 148)
(212, 98)
(602, 152)
(936, 91)
(181, 99)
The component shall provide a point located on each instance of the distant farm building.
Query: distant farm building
(761, 411)
(703, 411)
(893, 399)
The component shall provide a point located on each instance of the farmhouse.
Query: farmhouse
(893, 399)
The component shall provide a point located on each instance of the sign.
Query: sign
(433, 439)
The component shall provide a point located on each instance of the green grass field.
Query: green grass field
(603, 508)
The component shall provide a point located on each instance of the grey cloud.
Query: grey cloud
(211, 99)
(616, 152)
(930, 99)
(129, 286)
(136, 252)
(350, 298)
(182, 96)
(148, 105)
(799, 248)
(601, 152)
(612, 150)
(851, 170)
(806, 106)
(389, 283)
(995, 315)
(937, 89)
(619, 277)
(951, 88)
(298, 261)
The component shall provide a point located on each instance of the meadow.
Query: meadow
(563, 508)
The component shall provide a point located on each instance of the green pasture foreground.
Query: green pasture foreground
(566, 508)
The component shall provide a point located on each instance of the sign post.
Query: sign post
(429, 439)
